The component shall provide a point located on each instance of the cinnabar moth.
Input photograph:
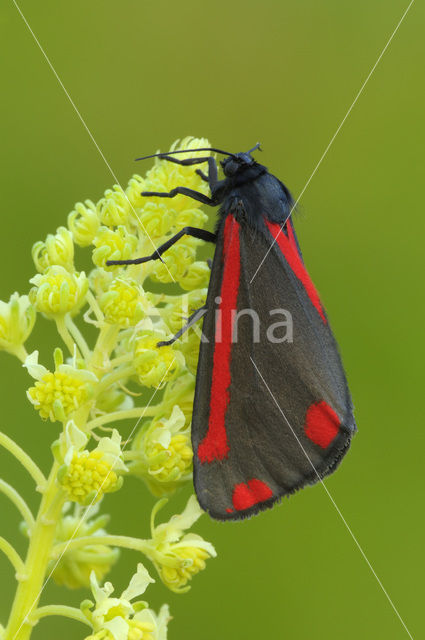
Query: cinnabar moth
(269, 416)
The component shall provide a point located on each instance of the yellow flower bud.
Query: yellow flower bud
(140, 630)
(17, 318)
(165, 454)
(177, 461)
(114, 208)
(190, 218)
(180, 391)
(103, 634)
(56, 395)
(74, 567)
(123, 303)
(155, 365)
(136, 631)
(88, 476)
(165, 176)
(84, 223)
(189, 345)
(136, 185)
(177, 261)
(57, 249)
(100, 280)
(155, 219)
(192, 560)
(57, 292)
(117, 618)
(113, 245)
(175, 315)
(196, 276)
(178, 557)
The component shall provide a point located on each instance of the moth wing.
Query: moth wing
(271, 415)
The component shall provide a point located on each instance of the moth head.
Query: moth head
(237, 162)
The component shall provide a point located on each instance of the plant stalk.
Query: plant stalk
(38, 556)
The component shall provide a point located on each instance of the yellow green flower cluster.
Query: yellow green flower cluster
(58, 394)
(113, 618)
(74, 567)
(131, 316)
(161, 453)
(109, 369)
(178, 556)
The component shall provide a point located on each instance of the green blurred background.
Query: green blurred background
(144, 73)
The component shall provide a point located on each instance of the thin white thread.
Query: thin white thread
(335, 505)
(335, 135)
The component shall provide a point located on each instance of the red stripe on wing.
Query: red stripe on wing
(291, 236)
(215, 446)
(288, 246)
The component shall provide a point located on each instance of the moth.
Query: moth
(272, 409)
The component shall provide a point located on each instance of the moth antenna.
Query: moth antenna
(257, 146)
(170, 153)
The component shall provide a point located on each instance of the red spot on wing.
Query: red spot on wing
(214, 446)
(288, 246)
(249, 494)
(321, 424)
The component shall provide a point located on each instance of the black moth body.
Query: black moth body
(272, 409)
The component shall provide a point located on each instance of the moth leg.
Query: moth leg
(211, 178)
(202, 175)
(192, 319)
(201, 234)
(184, 191)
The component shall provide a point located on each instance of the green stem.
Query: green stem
(163, 297)
(25, 460)
(21, 353)
(19, 502)
(13, 556)
(127, 542)
(87, 556)
(59, 610)
(78, 337)
(114, 376)
(106, 342)
(38, 557)
(91, 299)
(138, 412)
(65, 335)
(147, 547)
(130, 455)
(121, 360)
